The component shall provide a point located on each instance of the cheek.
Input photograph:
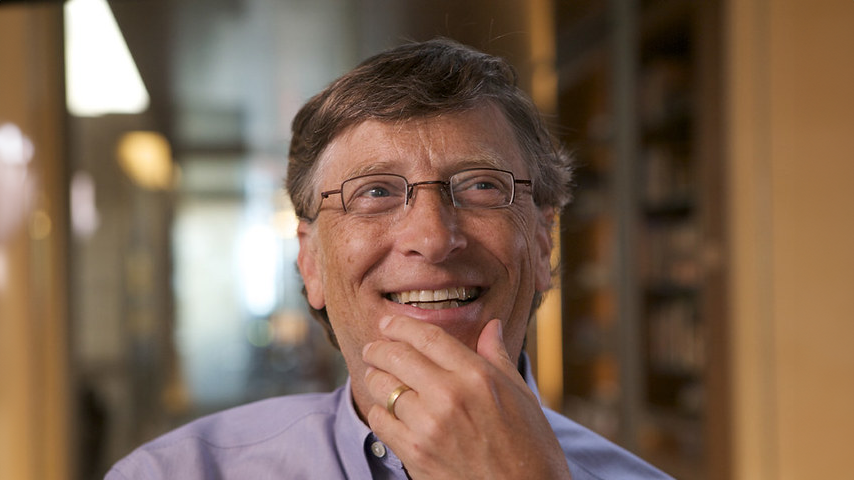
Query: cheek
(350, 252)
(520, 245)
(362, 251)
(348, 259)
(536, 245)
(509, 239)
(516, 247)
(343, 256)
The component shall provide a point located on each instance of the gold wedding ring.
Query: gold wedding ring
(392, 398)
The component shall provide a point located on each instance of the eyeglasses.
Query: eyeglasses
(475, 188)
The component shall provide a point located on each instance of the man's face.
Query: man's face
(360, 267)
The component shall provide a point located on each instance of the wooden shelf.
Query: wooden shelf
(637, 298)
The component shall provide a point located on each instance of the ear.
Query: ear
(308, 264)
(543, 249)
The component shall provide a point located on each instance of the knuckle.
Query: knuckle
(375, 418)
(480, 377)
(449, 399)
(433, 430)
(396, 354)
(419, 453)
(429, 336)
(371, 379)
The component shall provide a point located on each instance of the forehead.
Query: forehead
(435, 145)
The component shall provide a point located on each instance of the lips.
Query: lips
(436, 299)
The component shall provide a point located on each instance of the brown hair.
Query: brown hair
(420, 80)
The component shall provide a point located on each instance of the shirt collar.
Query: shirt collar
(351, 433)
(525, 369)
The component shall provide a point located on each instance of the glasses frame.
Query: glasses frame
(410, 188)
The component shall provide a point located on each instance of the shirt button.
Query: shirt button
(378, 449)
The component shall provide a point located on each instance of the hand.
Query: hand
(469, 414)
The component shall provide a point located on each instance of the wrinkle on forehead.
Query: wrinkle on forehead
(424, 143)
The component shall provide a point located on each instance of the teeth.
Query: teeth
(437, 305)
(441, 295)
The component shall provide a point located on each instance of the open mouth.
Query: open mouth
(436, 299)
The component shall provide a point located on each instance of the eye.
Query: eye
(482, 188)
(481, 182)
(374, 193)
(484, 185)
(377, 190)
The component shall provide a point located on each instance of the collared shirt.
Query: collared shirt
(320, 436)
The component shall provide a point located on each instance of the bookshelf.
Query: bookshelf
(641, 245)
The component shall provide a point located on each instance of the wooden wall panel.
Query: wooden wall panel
(34, 371)
(791, 131)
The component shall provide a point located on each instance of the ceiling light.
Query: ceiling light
(101, 76)
(147, 159)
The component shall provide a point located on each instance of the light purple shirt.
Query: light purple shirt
(319, 436)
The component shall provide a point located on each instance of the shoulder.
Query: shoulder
(591, 456)
(222, 441)
(255, 422)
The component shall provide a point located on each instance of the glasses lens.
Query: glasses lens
(373, 194)
(482, 188)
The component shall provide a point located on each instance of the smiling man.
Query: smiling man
(426, 184)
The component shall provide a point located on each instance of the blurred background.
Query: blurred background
(704, 313)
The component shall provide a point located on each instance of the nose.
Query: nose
(428, 227)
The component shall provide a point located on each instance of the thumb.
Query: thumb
(490, 345)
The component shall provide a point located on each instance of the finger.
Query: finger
(490, 345)
(381, 385)
(404, 362)
(391, 427)
(432, 341)
(392, 431)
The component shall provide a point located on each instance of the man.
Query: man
(426, 184)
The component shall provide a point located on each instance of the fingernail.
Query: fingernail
(365, 348)
(369, 370)
(384, 322)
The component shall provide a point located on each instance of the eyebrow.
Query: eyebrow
(481, 160)
(369, 168)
